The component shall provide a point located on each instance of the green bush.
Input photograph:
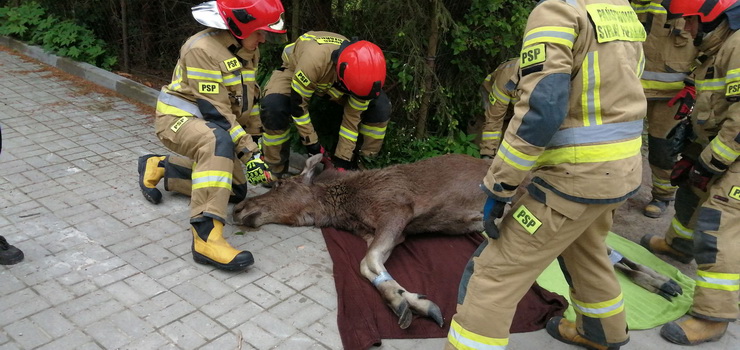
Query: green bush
(31, 23)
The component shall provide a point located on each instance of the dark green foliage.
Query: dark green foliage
(474, 37)
(31, 23)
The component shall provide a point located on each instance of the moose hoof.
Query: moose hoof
(436, 314)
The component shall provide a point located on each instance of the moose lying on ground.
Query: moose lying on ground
(435, 195)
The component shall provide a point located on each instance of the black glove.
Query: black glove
(492, 210)
(315, 149)
(341, 164)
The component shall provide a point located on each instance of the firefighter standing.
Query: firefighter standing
(577, 127)
(207, 115)
(669, 55)
(351, 73)
(498, 90)
(707, 218)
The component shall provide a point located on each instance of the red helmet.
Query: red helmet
(361, 69)
(707, 10)
(243, 17)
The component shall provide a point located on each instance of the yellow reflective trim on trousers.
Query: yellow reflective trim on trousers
(723, 150)
(347, 134)
(515, 158)
(550, 34)
(375, 132)
(303, 120)
(661, 85)
(236, 133)
(662, 183)
(681, 230)
(591, 95)
(163, 108)
(591, 153)
(602, 309)
(496, 135)
(275, 140)
(717, 280)
(212, 178)
(463, 339)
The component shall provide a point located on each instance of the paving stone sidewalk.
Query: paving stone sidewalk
(105, 269)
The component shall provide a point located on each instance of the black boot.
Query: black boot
(9, 254)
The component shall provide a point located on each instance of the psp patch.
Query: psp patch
(525, 218)
(232, 64)
(178, 124)
(533, 55)
(300, 76)
(208, 88)
(735, 193)
(733, 89)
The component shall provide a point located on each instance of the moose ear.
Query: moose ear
(310, 169)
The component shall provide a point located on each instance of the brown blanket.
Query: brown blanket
(431, 265)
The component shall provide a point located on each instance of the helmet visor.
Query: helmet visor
(207, 14)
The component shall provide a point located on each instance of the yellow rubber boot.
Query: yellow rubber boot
(693, 330)
(658, 245)
(210, 247)
(565, 331)
(151, 171)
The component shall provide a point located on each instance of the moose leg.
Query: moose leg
(648, 278)
(403, 303)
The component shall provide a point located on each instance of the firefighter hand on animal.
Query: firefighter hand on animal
(329, 66)
(577, 128)
(209, 116)
(705, 226)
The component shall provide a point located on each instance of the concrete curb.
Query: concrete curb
(104, 78)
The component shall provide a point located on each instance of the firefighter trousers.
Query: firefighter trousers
(660, 122)
(707, 227)
(208, 170)
(533, 234)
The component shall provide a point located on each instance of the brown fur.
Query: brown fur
(435, 195)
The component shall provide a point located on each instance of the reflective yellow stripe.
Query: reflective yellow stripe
(213, 178)
(732, 76)
(649, 8)
(681, 230)
(236, 133)
(495, 135)
(717, 280)
(602, 309)
(515, 158)
(348, 134)
(287, 51)
(591, 153)
(334, 93)
(723, 150)
(204, 74)
(663, 184)
(170, 110)
(176, 83)
(255, 110)
(463, 339)
(504, 98)
(275, 140)
(710, 84)
(360, 105)
(661, 85)
(302, 120)
(231, 80)
(248, 75)
(591, 95)
(375, 132)
(550, 34)
(305, 92)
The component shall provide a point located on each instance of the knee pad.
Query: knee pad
(275, 112)
(378, 111)
(659, 153)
